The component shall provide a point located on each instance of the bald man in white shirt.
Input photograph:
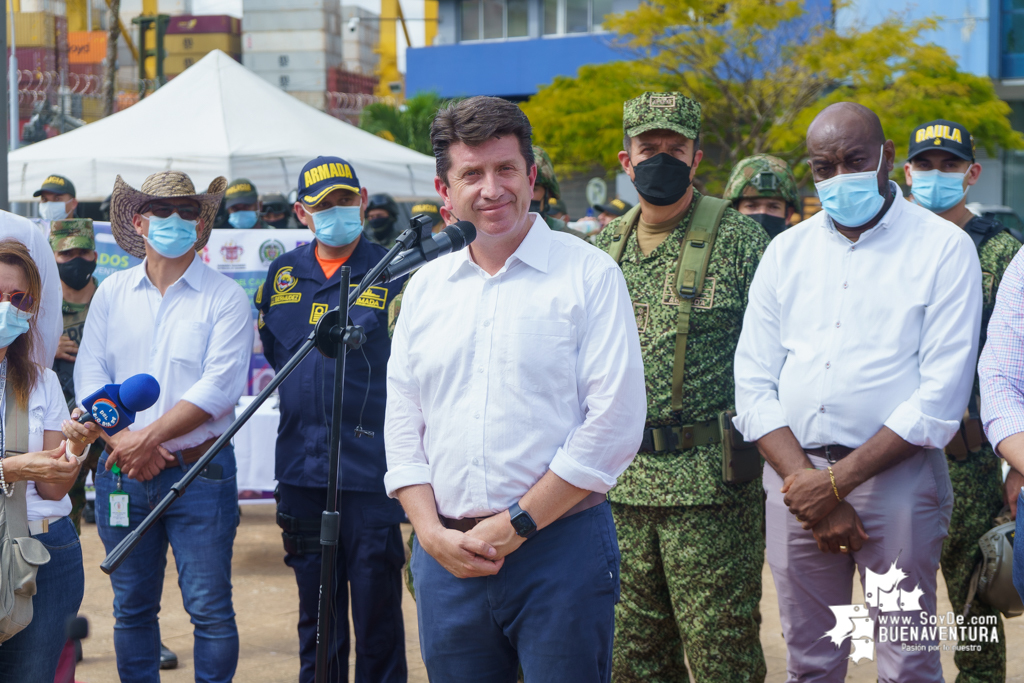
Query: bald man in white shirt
(852, 373)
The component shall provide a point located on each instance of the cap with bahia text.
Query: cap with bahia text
(942, 135)
(322, 176)
(56, 184)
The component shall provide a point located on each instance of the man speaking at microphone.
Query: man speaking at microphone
(515, 399)
(300, 287)
(190, 327)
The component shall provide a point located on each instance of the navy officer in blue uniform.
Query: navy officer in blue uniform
(301, 286)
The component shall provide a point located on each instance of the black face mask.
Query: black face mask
(662, 180)
(381, 226)
(280, 224)
(773, 225)
(538, 206)
(76, 273)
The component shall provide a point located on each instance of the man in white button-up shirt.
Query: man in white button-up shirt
(190, 327)
(515, 399)
(852, 373)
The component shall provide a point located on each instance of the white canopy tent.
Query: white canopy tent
(216, 119)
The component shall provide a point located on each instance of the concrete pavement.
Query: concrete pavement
(266, 602)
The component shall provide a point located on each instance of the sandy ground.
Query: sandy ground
(266, 602)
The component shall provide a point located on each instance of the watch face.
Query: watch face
(522, 524)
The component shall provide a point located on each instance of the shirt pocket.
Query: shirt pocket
(539, 355)
(187, 344)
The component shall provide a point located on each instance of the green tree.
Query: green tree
(407, 124)
(762, 71)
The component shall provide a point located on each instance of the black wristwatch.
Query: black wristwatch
(522, 522)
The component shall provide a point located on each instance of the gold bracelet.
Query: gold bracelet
(834, 489)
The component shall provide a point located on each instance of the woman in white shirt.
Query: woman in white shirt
(50, 467)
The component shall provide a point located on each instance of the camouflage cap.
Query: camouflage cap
(546, 172)
(762, 176)
(72, 233)
(661, 111)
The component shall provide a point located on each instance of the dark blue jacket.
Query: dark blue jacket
(290, 301)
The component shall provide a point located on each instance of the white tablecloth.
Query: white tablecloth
(254, 446)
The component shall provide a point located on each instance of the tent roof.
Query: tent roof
(216, 118)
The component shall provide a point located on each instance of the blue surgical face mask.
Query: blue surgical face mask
(172, 236)
(337, 226)
(852, 199)
(242, 220)
(13, 324)
(53, 211)
(937, 191)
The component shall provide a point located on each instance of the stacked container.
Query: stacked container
(293, 45)
(86, 52)
(189, 38)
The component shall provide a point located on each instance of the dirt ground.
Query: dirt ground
(266, 602)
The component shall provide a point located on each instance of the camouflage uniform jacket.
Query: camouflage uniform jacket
(694, 476)
(995, 255)
(74, 323)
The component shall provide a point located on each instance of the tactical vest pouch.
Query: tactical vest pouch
(741, 461)
(20, 554)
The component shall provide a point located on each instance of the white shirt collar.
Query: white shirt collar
(193, 275)
(533, 250)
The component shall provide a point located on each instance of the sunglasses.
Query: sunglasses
(186, 213)
(20, 300)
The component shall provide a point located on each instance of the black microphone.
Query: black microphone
(452, 238)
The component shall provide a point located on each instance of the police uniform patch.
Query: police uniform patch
(373, 297)
(316, 313)
(259, 293)
(707, 298)
(283, 281)
(286, 298)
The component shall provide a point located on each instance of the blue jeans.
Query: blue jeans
(551, 608)
(200, 527)
(1018, 547)
(32, 655)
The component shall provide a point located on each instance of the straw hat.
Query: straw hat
(126, 201)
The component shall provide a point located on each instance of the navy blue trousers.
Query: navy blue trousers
(370, 559)
(550, 608)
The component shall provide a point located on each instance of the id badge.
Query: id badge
(119, 509)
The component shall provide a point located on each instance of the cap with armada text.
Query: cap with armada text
(240, 191)
(672, 111)
(324, 175)
(57, 184)
(942, 135)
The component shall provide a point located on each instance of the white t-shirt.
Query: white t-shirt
(46, 411)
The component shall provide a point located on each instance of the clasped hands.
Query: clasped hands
(138, 454)
(481, 551)
(810, 497)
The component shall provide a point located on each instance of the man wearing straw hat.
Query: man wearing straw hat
(191, 328)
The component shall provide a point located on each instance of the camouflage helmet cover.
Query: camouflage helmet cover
(762, 176)
(546, 172)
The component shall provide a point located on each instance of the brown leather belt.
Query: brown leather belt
(830, 453)
(467, 523)
(190, 455)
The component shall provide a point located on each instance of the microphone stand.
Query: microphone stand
(330, 336)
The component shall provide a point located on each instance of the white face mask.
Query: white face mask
(53, 211)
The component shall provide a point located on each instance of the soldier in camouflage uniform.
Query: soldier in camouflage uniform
(692, 546)
(74, 247)
(762, 187)
(974, 469)
(547, 188)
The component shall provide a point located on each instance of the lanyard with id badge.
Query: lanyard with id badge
(118, 502)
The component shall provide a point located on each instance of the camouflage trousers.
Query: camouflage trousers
(977, 499)
(691, 584)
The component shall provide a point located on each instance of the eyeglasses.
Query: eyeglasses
(187, 213)
(20, 300)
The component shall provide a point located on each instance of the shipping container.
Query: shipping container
(201, 43)
(294, 79)
(87, 47)
(272, 5)
(175, 64)
(48, 6)
(35, 58)
(291, 41)
(87, 69)
(314, 98)
(33, 29)
(283, 61)
(221, 23)
(339, 80)
(294, 20)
